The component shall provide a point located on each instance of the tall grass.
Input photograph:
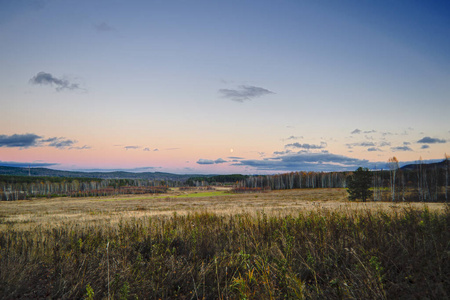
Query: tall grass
(316, 255)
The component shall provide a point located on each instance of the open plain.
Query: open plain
(58, 211)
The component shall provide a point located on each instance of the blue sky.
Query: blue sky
(223, 86)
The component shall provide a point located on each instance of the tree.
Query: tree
(393, 166)
(447, 164)
(420, 184)
(359, 184)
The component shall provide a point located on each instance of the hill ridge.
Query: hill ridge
(21, 171)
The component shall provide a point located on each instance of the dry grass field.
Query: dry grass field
(52, 212)
(293, 244)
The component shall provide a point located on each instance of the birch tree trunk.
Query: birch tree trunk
(393, 166)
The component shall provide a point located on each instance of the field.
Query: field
(57, 211)
(305, 243)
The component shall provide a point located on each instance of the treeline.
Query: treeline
(296, 180)
(26, 187)
(419, 182)
(217, 179)
(10, 179)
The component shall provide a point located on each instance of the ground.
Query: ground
(28, 214)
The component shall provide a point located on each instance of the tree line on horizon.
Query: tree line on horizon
(26, 187)
(16, 187)
(423, 182)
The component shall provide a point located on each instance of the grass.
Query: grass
(297, 244)
(54, 212)
(190, 194)
(204, 194)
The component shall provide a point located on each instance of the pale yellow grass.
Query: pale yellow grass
(29, 214)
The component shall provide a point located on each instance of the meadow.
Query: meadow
(195, 244)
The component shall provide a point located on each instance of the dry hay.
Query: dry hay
(26, 214)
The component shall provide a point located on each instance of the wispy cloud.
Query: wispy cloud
(306, 146)
(19, 140)
(202, 161)
(401, 148)
(372, 149)
(424, 147)
(85, 147)
(306, 162)
(282, 152)
(131, 147)
(358, 131)
(43, 78)
(430, 140)
(361, 144)
(244, 93)
(26, 164)
(59, 142)
(104, 27)
(33, 140)
(366, 144)
(292, 137)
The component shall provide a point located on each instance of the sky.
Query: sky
(221, 87)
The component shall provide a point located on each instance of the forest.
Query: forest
(26, 187)
(418, 182)
(216, 179)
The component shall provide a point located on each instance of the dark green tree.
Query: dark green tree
(358, 184)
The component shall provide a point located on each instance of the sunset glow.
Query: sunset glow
(215, 87)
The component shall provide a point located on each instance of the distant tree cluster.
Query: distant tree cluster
(216, 179)
(418, 182)
(25, 187)
(296, 180)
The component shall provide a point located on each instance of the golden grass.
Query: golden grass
(27, 214)
(295, 244)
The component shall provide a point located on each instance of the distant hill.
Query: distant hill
(102, 175)
(411, 167)
(19, 171)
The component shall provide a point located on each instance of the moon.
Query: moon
(231, 150)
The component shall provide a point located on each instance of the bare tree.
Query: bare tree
(420, 180)
(377, 180)
(447, 164)
(393, 167)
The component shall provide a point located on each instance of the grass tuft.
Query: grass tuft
(320, 254)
